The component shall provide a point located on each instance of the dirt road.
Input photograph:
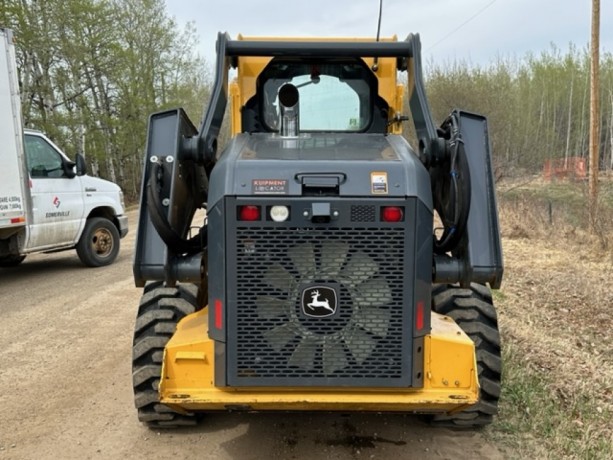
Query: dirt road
(65, 385)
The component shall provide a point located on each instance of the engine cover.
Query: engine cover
(372, 165)
(334, 295)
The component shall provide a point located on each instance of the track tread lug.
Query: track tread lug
(160, 310)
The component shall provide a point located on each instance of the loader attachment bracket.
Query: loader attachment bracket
(173, 188)
(477, 258)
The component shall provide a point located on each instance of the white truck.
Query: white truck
(47, 202)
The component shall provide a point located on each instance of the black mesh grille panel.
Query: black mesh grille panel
(362, 213)
(318, 306)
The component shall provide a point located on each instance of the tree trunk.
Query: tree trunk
(570, 111)
(611, 133)
(581, 138)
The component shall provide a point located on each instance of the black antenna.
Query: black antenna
(375, 65)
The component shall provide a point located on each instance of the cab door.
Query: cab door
(57, 199)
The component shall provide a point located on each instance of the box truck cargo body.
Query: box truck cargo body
(47, 202)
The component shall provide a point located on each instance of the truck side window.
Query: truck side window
(43, 160)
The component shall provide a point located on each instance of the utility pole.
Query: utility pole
(594, 116)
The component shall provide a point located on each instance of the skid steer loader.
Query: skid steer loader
(336, 267)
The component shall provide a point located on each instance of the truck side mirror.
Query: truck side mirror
(81, 165)
(68, 167)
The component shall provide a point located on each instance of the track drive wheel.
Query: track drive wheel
(473, 310)
(159, 311)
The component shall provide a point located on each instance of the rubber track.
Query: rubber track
(159, 311)
(473, 310)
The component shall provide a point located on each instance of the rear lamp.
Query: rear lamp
(249, 213)
(279, 213)
(419, 315)
(392, 214)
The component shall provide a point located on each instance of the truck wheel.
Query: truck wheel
(11, 261)
(159, 311)
(473, 310)
(99, 243)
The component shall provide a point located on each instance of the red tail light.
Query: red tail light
(218, 314)
(249, 213)
(419, 315)
(392, 214)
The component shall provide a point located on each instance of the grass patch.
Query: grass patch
(537, 422)
(556, 323)
(498, 296)
(538, 209)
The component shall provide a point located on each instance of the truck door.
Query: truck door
(57, 199)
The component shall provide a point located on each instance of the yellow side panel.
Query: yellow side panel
(249, 68)
(235, 108)
(450, 378)
(396, 109)
(450, 356)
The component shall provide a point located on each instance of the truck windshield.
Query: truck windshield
(333, 97)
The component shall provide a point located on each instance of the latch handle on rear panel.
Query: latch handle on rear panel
(318, 184)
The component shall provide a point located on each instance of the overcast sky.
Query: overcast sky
(486, 29)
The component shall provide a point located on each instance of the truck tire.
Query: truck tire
(159, 311)
(473, 310)
(11, 261)
(99, 242)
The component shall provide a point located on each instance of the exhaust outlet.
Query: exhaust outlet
(288, 106)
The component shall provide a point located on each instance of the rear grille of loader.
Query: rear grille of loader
(284, 286)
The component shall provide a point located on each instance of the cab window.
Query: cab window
(333, 96)
(43, 160)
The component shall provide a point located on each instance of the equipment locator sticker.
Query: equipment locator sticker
(269, 187)
(378, 183)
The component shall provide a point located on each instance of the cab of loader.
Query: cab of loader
(319, 277)
(334, 94)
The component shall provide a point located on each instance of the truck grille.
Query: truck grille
(318, 307)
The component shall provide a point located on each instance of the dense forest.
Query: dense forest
(91, 71)
(537, 105)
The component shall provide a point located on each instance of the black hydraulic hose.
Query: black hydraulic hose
(459, 194)
(172, 239)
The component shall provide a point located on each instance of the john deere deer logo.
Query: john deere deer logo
(322, 301)
(318, 303)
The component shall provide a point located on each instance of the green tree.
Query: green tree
(91, 72)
